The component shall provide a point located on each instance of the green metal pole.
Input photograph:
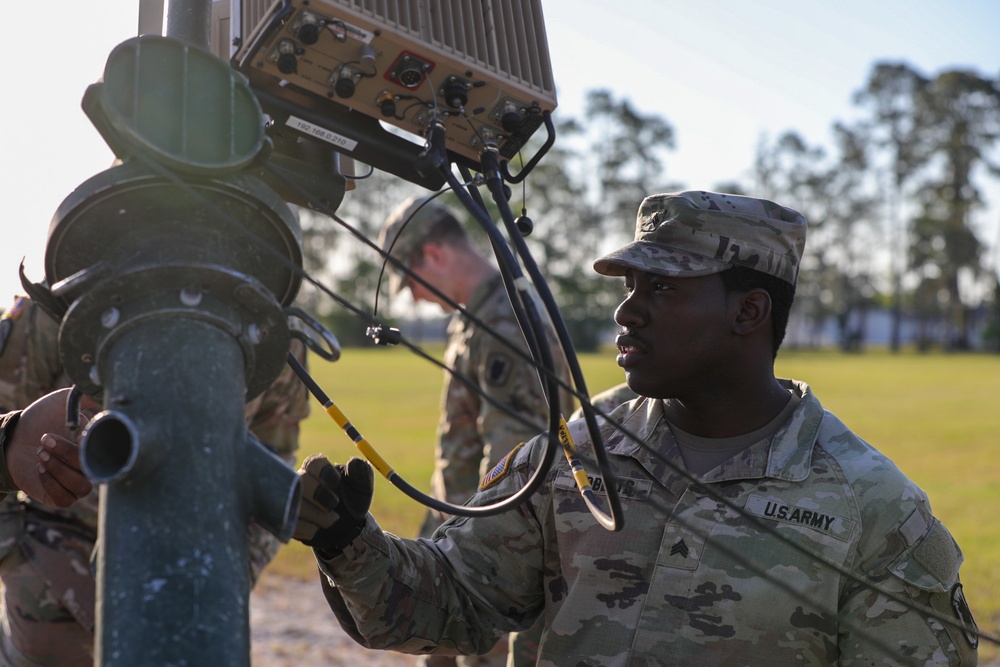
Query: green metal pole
(172, 580)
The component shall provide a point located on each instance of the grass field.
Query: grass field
(937, 416)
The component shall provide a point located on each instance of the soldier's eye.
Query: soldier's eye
(660, 285)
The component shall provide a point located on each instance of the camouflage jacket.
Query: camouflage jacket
(772, 559)
(474, 434)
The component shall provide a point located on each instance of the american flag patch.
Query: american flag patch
(500, 470)
(16, 308)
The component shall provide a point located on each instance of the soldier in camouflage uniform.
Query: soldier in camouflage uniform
(759, 530)
(473, 434)
(47, 613)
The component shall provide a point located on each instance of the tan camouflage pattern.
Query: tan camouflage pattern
(690, 579)
(29, 356)
(472, 434)
(698, 233)
(47, 608)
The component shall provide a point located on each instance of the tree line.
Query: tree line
(894, 205)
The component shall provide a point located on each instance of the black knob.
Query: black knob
(456, 94)
(510, 121)
(388, 107)
(344, 87)
(309, 33)
(288, 63)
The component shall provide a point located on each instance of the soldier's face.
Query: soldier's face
(675, 335)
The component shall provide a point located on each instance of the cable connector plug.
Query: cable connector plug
(383, 335)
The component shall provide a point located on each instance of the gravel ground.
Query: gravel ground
(292, 626)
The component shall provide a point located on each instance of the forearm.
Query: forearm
(381, 579)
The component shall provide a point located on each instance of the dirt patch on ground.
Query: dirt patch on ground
(292, 626)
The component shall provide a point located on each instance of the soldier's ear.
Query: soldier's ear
(753, 311)
(435, 253)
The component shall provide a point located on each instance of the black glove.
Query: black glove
(335, 501)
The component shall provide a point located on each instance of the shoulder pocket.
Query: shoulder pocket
(932, 560)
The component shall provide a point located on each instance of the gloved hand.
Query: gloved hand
(335, 501)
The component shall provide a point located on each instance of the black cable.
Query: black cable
(517, 290)
(380, 464)
(494, 181)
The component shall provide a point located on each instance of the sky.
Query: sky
(722, 72)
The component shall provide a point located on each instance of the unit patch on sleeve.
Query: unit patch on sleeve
(961, 607)
(498, 367)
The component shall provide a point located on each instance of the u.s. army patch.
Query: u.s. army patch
(815, 519)
(500, 470)
(16, 308)
(498, 367)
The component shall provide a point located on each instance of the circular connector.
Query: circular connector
(511, 121)
(287, 57)
(410, 76)
(308, 33)
(387, 104)
(288, 63)
(383, 335)
(456, 95)
(345, 86)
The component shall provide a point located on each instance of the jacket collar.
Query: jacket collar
(787, 456)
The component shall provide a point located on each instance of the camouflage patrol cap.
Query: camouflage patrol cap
(406, 228)
(698, 233)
